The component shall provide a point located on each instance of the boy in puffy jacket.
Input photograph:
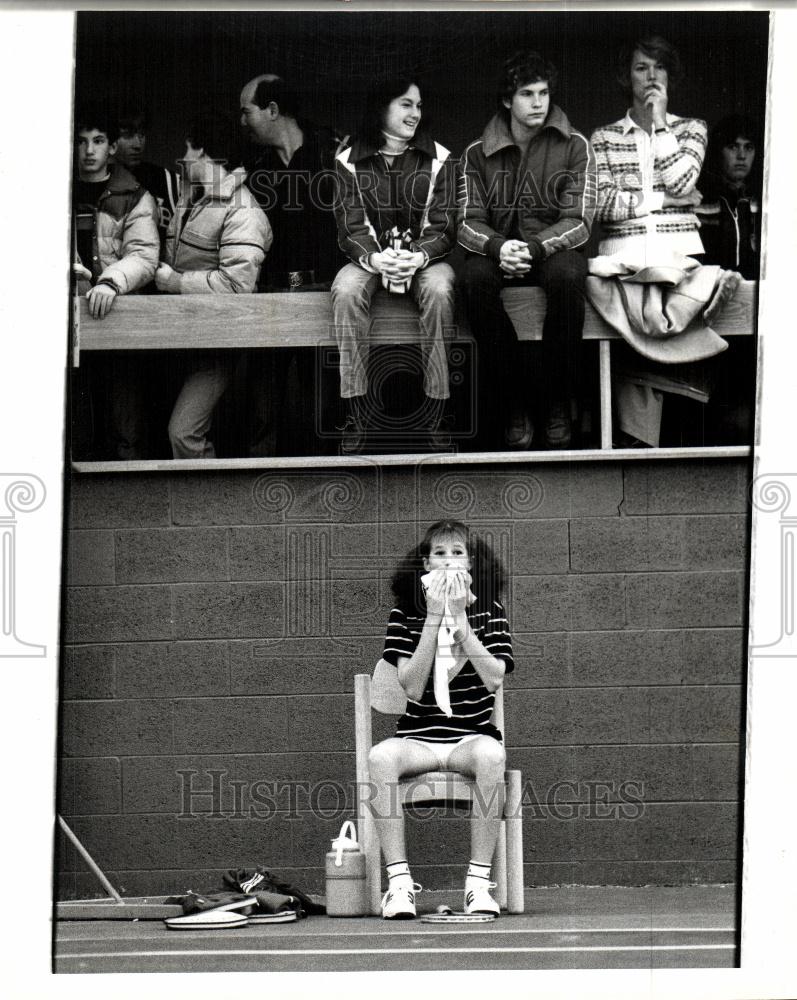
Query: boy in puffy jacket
(116, 247)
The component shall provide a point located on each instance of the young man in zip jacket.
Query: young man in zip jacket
(526, 201)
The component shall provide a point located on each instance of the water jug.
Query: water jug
(345, 869)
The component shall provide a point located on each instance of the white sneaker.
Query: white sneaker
(478, 899)
(398, 903)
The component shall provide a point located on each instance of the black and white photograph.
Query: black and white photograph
(421, 561)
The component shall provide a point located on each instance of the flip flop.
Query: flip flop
(283, 917)
(206, 920)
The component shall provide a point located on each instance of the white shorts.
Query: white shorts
(443, 750)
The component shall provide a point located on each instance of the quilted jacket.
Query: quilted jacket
(125, 241)
(218, 243)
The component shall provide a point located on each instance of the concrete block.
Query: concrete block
(542, 659)
(88, 786)
(119, 501)
(573, 717)
(88, 672)
(90, 558)
(102, 729)
(518, 492)
(717, 486)
(166, 842)
(284, 496)
(596, 872)
(598, 774)
(693, 715)
(321, 722)
(118, 614)
(655, 656)
(234, 610)
(251, 785)
(717, 771)
(539, 547)
(359, 607)
(689, 831)
(230, 725)
(294, 666)
(175, 555)
(685, 600)
(609, 545)
(559, 603)
(161, 669)
(259, 553)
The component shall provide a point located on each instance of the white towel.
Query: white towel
(445, 658)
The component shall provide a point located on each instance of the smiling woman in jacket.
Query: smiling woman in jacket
(216, 242)
(394, 211)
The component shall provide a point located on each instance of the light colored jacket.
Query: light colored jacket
(219, 243)
(125, 240)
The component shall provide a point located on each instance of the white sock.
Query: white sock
(478, 872)
(398, 872)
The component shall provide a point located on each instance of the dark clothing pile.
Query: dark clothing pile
(273, 895)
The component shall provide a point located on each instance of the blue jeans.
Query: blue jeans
(208, 377)
(352, 291)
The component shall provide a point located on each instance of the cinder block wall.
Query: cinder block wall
(214, 624)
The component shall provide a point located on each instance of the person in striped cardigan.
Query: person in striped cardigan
(648, 165)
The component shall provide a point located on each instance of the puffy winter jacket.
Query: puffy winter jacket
(219, 243)
(125, 241)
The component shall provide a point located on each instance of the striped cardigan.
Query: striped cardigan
(625, 208)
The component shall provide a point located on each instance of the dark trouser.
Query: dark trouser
(504, 368)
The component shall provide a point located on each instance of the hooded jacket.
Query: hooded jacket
(416, 194)
(125, 240)
(545, 196)
(218, 243)
(730, 222)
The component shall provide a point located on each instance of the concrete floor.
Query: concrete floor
(570, 928)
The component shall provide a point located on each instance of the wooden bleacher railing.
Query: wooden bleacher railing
(304, 319)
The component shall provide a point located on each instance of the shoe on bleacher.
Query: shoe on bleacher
(558, 427)
(478, 898)
(519, 431)
(355, 430)
(398, 903)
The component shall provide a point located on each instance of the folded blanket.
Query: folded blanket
(657, 307)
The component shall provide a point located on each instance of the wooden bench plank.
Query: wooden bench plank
(304, 319)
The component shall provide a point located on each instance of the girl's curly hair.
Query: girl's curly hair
(486, 568)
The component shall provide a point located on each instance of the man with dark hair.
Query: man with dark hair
(291, 176)
(163, 184)
(216, 242)
(116, 249)
(526, 201)
(115, 233)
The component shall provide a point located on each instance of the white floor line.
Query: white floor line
(495, 929)
(394, 951)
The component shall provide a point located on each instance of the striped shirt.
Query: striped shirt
(471, 702)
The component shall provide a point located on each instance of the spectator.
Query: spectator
(163, 184)
(730, 213)
(395, 187)
(116, 252)
(216, 242)
(526, 202)
(648, 165)
(291, 174)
